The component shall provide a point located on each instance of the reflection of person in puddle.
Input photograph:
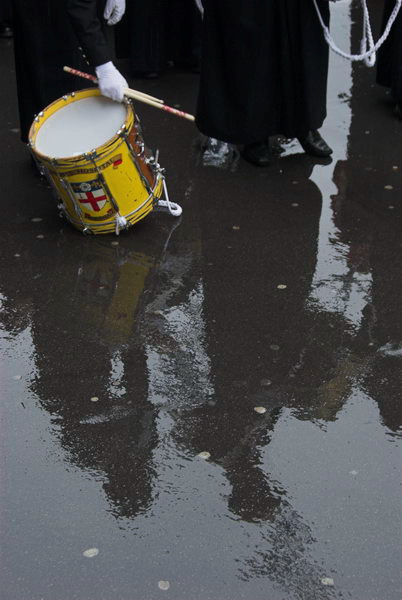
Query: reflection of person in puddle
(256, 337)
(389, 71)
(263, 72)
(255, 329)
(383, 381)
(86, 347)
(372, 233)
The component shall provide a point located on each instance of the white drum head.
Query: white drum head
(80, 126)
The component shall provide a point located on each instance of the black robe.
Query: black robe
(48, 34)
(5, 11)
(264, 69)
(143, 33)
(389, 66)
(155, 32)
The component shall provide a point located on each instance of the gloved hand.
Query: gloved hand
(114, 10)
(111, 82)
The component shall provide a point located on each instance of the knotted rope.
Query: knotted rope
(368, 49)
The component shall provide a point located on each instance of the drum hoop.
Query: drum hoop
(76, 96)
(84, 159)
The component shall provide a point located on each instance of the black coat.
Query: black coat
(5, 11)
(389, 66)
(48, 34)
(264, 69)
(154, 32)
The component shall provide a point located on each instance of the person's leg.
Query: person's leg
(305, 57)
(389, 63)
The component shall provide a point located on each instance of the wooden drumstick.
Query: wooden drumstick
(137, 95)
(174, 111)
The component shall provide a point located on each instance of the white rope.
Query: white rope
(367, 43)
(368, 47)
(174, 209)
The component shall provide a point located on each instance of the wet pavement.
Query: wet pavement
(132, 372)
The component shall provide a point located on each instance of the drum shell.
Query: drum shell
(118, 172)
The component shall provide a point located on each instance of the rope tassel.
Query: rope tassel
(121, 223)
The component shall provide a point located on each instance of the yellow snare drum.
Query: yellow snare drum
(92, 151)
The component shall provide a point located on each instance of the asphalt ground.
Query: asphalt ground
(278, 289)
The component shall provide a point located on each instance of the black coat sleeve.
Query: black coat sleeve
(86, 20)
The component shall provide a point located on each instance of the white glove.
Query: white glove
(111, 82)
(114, 10)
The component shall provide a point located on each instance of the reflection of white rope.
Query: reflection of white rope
(368, 47)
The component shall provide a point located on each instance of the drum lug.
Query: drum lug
(62, 211)
(153, 162)
(121, 132)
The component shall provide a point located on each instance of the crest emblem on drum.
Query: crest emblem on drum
(92, 199)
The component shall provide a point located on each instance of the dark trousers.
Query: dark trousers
(389, 66)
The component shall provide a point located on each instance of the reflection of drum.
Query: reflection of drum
(92, 152)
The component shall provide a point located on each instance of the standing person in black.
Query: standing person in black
(389, 69)
(49, 34)
(263, 72)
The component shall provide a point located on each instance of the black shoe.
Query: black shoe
(258, 154)
(314, 145)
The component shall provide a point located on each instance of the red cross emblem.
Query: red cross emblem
(97, 201)
(90, 195)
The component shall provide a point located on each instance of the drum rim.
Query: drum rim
(33, 131)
